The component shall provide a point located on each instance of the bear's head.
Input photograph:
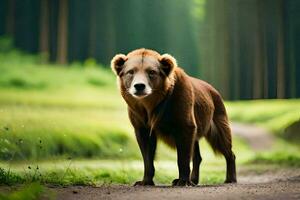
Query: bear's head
(144, 72)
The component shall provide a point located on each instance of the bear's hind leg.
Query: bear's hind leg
(219, 138)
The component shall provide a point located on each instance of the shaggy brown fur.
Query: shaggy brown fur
(180, 110)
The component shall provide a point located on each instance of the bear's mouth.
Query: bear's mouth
(140, 94)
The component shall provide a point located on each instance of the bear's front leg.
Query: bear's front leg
(184, 144)
(147, 146)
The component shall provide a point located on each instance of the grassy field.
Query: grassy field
(68, 125)
(275, 115)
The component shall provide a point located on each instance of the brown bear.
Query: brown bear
(166, 103)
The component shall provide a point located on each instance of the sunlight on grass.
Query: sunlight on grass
(95, 172)
(282, 154)
(272, 114)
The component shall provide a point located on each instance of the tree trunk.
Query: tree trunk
(259, 53)
(93, 29)
(62, 38)
(44, 30)
(280, 52)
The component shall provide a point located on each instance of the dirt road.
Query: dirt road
(285, 186)
(258, 138)
(270, 184)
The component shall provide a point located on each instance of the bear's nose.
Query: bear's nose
(139, 86)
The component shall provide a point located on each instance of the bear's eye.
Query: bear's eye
(130, 72)
(152, 73)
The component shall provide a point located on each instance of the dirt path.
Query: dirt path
(270, 184)
(258, 138)
(264, 187)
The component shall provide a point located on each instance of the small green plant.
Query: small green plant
(7, 177)
(33, 174)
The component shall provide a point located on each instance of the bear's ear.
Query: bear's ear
(117, 63)
(168, 64)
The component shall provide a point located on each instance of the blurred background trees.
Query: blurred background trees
(248, 49)
(255, 45)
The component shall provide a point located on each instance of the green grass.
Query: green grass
(33, 191)
(275, 115)
(278, 158)
(60, 111)
(97, 172)
(26, 72)
(33, 131)
(283, 153)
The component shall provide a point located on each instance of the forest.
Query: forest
(248, 49)
(64, 127)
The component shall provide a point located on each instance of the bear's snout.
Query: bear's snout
(139, 87)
